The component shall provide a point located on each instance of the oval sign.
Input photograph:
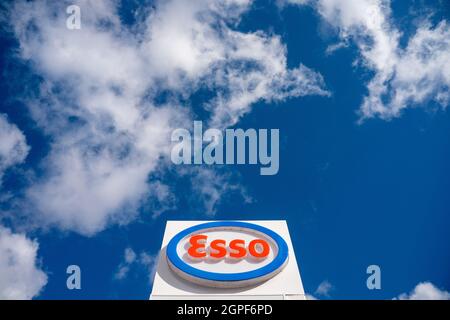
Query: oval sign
(266, 254)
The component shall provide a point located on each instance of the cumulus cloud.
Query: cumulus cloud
(13, 146)
(90, 184)
(144, 261)
(20, 275)
(99, 85)
(241, 68)
(422, 73)
(425, 291)
(403, 76)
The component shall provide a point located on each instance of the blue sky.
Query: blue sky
(364, 138)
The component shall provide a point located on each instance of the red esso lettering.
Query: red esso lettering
(197, 246)
(257, 248)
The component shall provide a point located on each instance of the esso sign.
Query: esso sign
(227, 254)
(218, 248)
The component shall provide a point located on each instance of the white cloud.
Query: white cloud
(241, 85)
(95, 180)
(403, 77)
(332, 48)
(20, 276)
(143, 261)
(422, 72)
(242, 68)
(96, 100)
(124, 267)
(324, 288)
(213, 185)
(162, 198)
(425, 291)
(13, 146)
(96, 172)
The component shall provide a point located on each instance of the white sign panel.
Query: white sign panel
(227, 260)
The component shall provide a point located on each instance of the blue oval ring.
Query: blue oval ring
(176, 261)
